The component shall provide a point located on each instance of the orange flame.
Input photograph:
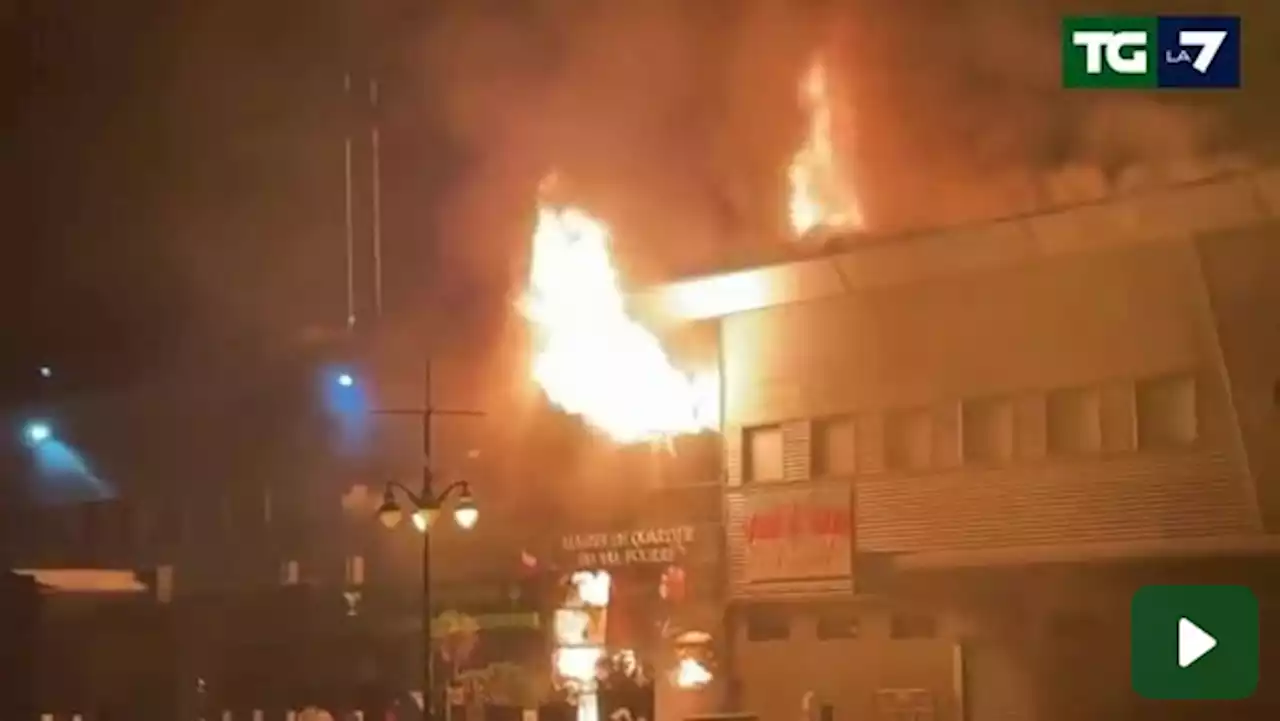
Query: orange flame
(577, 653)
(820, 194)
(691, 674)
(592, 359)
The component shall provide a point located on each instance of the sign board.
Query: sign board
(791, 536)
(652, 545)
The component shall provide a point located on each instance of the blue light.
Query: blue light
(37, 432)
(64, 473)
(347, 406)
(61, 472)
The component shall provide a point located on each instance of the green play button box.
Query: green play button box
(1194, 642)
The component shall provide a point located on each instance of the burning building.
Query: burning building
(639, 554)
(949, 459)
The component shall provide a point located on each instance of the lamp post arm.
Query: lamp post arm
(416, 499)
(443, 495)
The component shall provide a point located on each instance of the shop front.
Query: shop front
(809, 641)
(637, 619)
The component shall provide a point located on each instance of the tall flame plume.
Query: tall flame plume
(821, 196)
(592, 359)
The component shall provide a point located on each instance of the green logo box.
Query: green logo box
(1225, 616)
(1135, 42)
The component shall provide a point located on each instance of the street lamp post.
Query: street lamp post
(426, 505)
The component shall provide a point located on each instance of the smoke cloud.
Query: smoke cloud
(672, 120)
(675, 120)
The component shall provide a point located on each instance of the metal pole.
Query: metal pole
(375, 142)
(349, 211)
(428, 663)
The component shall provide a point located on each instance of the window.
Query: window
(764, 454)
(912, 625)
(1166, 410)
(1073, 421)
(870, 450)
(837, 623)
(834, 452)
(768, 624)
(908, 439)
(987, 430)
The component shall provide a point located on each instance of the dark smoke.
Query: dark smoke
(675, 119)
(182, 164)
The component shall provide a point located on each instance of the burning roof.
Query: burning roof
(856, 261)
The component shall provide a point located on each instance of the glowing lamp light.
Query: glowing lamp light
(466, 514)
(46, 372)
(423, 513)
(346, 380)
(37, 432)
(389, 512)
(421, 521)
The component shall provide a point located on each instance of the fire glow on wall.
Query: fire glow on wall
(593, 359)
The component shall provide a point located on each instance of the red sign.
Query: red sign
(797, 520)
(796, 537)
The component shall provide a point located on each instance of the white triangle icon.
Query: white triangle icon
(1193, 643)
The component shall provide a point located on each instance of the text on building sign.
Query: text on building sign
(623, 548)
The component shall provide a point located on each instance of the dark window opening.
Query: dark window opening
(1166, 411)
(1073, 421)
(908, 439)
(987, 430)
(838, 623)
(912, 625)
(768, 624)
(834, 449)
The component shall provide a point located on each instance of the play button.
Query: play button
(1193, 643)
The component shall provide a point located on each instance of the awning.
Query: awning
(84, 580)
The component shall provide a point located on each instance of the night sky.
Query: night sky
(172, 167)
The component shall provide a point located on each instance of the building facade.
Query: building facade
(949, 459)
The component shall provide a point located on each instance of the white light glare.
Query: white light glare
(38, 432)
